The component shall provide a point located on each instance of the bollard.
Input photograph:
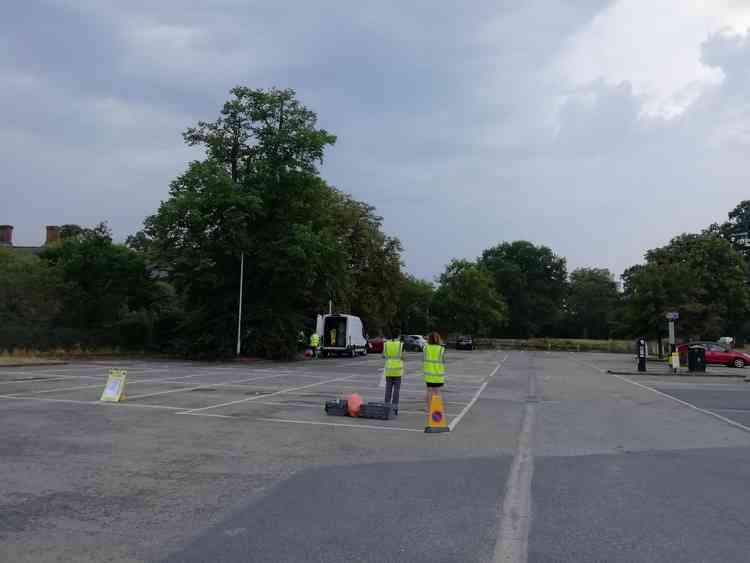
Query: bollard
(641, 347)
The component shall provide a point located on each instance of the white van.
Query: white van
(341, 335)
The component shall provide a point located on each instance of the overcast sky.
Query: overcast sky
(599, 128)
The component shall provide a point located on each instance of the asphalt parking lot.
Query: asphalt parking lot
(262, 391)
(550, 458)
(86, 480)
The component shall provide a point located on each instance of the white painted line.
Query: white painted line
(684, 403)
(457, 419)
(318, 407)
(185, 389)
(668, 396)
(515, 518)
(130, 382)
(98, 403)
(49, 377)
(281, 392)
(360, 426)
(206, 414)
(421, 395)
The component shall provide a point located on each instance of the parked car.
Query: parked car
(464, 342)
(375, 345)
(716, 354)
(414, 342)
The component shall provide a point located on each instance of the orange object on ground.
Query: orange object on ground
(353, 404)
(436, 420)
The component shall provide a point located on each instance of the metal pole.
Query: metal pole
(330, 307)
(239, 305)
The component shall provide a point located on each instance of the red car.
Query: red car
(375, 345)
(717, 354)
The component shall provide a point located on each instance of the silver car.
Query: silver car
(414, 342)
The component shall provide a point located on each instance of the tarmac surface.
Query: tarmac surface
(549, 458)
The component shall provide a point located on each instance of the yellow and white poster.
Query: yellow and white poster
(114, 390)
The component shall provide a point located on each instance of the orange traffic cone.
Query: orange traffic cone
(436, 420)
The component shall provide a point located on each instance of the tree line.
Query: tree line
(520, 290)
(257, 198)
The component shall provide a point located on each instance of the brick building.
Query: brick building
(6, 238)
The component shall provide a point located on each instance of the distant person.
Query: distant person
(315, 344)
(433, 367)
(393, 352)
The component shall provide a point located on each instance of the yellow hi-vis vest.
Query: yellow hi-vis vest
(394, 365)
(314, 339)
(432, 364)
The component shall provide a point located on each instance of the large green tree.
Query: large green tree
(699, 275)
(258, 195)
(467, 302)
(105, 288)
(592, 303)
(532, 279)
(30, 300)
(415, 298)
(736, 229)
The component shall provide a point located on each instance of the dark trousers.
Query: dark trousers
(392, 390)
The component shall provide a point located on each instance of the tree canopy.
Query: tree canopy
(699, 275)
(592, 303)
(466, 300)
(533, 281)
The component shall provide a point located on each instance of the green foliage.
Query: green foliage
(592, 303)
(83, 291)
(258, 194)
(415, 298)
(29, 299)
(532, 280)
(467, 302)
(736, 229)
(102, 282)
(701, 276)
(261, 133)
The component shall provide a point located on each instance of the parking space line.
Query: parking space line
(130, 382)
(340, 424)
(421, 395)
(318, 407)
(685, 403)
(482, 387)
(183, 390)
(724, 419)
(98, 403)
(206, 414)
(280, 392)
(56, 377)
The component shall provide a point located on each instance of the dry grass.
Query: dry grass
(26, 356)
(568, 344)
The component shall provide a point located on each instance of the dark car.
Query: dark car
(375, 345)
(716, 354)
(464, 342)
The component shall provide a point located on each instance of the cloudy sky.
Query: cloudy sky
(600, 128)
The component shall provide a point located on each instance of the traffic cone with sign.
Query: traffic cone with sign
(436, 421)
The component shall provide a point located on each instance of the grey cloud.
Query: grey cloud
(452, 121)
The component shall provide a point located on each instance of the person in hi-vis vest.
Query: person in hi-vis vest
(393, 352)
(315, 344)
(433, 366)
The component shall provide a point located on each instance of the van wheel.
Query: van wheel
(738, 363)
